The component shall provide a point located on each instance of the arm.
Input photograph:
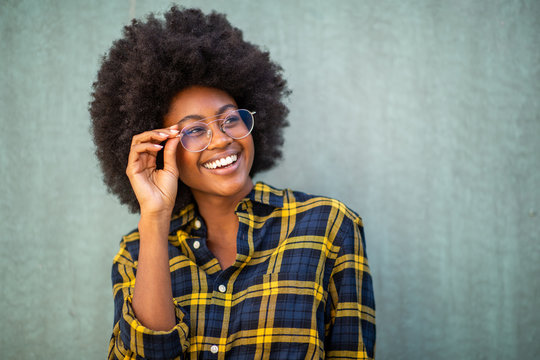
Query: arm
(149, 325)
(156, 193)
(152, 296)
(350, 313)
(130, 338)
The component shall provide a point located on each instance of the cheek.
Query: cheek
(186, 163)
(250, 147)
(179, 159)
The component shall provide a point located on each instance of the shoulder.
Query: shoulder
(317, 203)
(303, 203)
(341, 227)
(131, 241)
(319, 213)
(327, 218)
(129, 248)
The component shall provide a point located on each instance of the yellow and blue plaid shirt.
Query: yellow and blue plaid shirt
(300, 287)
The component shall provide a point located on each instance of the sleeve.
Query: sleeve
(350, 311)
(130, 339)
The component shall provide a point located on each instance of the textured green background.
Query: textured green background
(423, 116)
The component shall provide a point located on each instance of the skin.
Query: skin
(217, 192)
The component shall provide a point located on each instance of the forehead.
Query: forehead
(198, 102)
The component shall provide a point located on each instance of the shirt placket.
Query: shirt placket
(219, 315)
(218, 311)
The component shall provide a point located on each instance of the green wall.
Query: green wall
(423, 116)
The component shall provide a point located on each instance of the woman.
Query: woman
(184, 113)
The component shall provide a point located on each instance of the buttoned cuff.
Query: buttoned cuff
(154, 344)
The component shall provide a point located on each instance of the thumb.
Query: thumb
(169, 155)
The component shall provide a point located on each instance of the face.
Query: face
(198, 169)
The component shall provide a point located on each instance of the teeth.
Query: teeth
(221, 162)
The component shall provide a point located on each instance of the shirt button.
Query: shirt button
(197, 224)
(214, 349)
(222, 288)
(196, 244)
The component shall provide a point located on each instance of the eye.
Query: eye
(231, 121)
(195, 130)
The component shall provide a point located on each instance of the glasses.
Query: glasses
(237, 124)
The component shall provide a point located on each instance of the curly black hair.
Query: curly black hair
(153, 61)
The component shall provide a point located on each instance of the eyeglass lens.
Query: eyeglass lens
(198, 135)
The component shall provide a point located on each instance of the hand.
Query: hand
(155, 189)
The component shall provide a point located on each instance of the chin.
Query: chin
(227, 188)
(233, 187)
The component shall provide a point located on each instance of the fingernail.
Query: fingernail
(158, 146)
(174, 131)
(162, 134)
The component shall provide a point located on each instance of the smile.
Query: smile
(223, 162)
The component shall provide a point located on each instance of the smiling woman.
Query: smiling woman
(184, 113)
(200, 170)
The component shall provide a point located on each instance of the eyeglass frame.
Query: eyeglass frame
(220, 128)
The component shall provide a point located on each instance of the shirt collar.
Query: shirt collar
(185, 216)
(267, 195)
(261, 193)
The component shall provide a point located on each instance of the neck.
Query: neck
(219, 216)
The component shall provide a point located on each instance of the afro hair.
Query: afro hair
(153, 61)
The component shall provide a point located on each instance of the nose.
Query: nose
(219, 138)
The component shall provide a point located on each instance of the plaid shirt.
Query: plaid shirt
(300, 287)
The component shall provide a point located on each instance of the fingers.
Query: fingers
(146, 148)
(148, 143)
(141, 157)
(155, 136)
(169, 155)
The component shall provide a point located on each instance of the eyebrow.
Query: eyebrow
(220, 111)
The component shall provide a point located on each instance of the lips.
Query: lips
(221, 162)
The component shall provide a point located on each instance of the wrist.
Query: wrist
(156, 214)
(157, 223)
